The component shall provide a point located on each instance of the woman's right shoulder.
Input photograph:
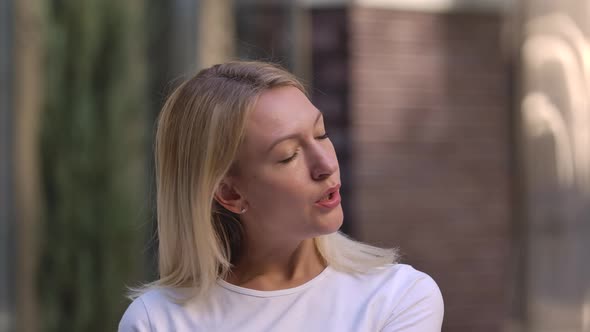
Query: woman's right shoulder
(139, 314)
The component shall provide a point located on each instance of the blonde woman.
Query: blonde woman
(248, 216)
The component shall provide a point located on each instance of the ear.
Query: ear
(230, 198)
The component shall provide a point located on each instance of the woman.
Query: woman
(248, 217)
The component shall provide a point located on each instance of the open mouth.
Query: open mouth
(331, 199)
(327, 197)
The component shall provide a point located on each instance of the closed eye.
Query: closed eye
(285, 161)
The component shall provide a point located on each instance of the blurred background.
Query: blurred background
(462, 129)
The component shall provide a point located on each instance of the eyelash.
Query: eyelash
(289, 159)
(324, 136)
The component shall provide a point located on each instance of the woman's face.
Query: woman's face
(288, 175)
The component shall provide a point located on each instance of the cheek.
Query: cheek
(273, 192)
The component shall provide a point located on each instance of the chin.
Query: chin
(332, 222)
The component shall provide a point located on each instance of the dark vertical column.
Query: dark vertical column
(263, 32)
(330, 85)
(173, 56)
(7, 218)
(184, 35)
(276, 32)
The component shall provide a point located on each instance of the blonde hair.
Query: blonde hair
(199, 131)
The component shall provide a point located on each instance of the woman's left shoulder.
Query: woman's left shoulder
(416, 295)
(405, 274)
(404, 279)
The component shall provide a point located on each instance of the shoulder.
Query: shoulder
(402, 298)
(416, 286)
(418, 300)
(135, 318)
(398, 284)
(408, 279)
(396, 279)
(141, 312)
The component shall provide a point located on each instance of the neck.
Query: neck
(273, 267)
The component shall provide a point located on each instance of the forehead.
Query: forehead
(278, 112)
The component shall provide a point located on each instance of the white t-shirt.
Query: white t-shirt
(396, 298)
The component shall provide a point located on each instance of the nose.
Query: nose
(325, 162)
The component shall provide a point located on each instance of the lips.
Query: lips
(331, 198)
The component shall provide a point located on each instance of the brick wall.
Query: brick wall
(427, 126)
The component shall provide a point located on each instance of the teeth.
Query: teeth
(326, 198)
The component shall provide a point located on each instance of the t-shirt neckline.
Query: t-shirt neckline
(279, 292)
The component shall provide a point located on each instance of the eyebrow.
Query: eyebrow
(291, 136)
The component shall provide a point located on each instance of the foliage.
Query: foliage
(93, 162)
